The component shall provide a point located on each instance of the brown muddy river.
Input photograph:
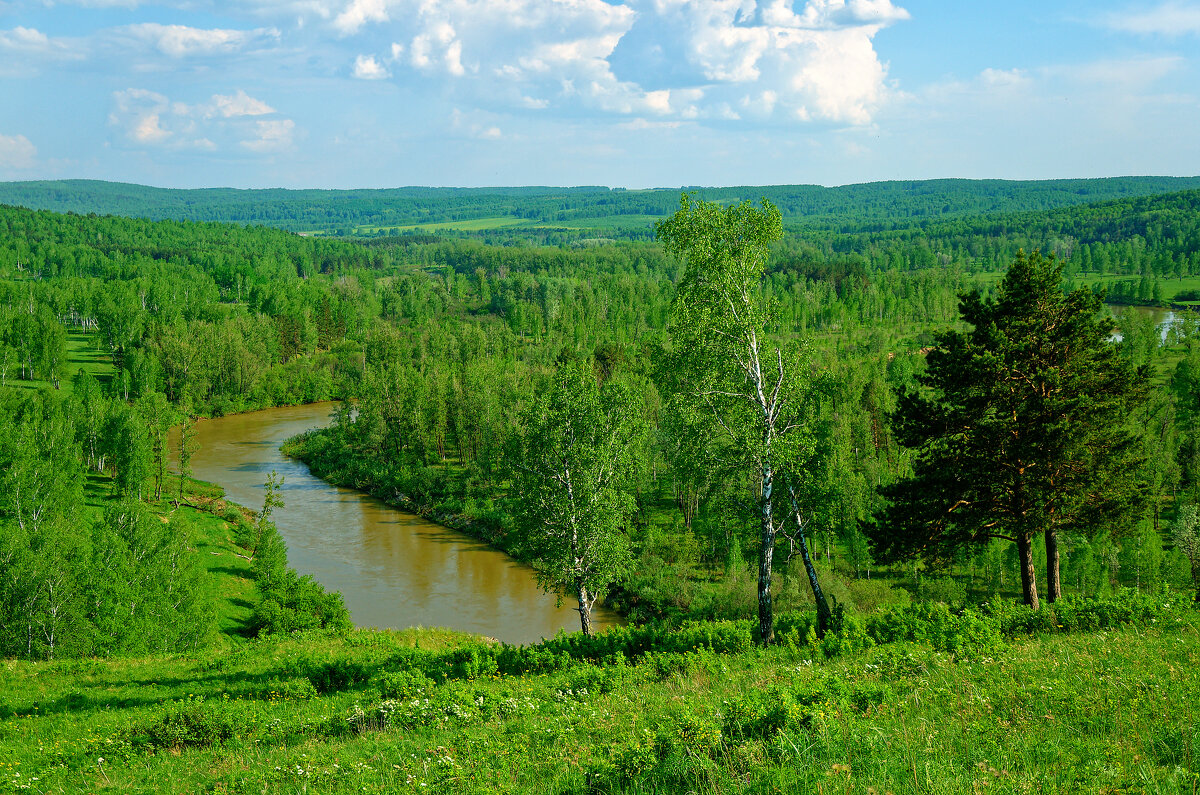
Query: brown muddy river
(394, 569)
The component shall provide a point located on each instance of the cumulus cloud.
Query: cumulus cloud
(223, 122)
(819, 63)
(23, 49)
(181, 41)
(360, 12)
(16, 152)
(666, 58)
(367, 68)
(757, 61)
(1172, 18)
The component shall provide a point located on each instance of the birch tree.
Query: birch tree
(570, 468)
(755, 391)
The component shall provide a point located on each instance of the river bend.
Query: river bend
(393, 568)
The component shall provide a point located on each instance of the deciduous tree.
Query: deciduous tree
(570, 467)
(725, 363)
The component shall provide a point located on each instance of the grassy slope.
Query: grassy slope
(82, 352)
(1102, 712)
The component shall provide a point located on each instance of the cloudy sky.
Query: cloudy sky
(635, 93)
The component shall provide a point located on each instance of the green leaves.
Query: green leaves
(1021, 426)
(570, 469)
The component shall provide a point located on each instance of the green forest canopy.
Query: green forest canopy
(443, 344)
(615, 212)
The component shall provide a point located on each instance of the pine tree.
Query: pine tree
(1020, 428)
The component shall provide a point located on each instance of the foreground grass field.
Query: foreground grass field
(1107, 711)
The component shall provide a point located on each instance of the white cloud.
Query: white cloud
(667, 58)
(16, 152)
(758, 61)
(367, 68)
(818, 64)
(1172, 18)
(23, 49)
(1003, 78)
(271, 135)
(181, 41)
(223, 122)
(359, 13)
(239, 104)
(438, 48)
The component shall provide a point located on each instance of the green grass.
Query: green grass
(1170, 287)
(83, 352)
(1102, 712)
(390, 711)
(468, 225)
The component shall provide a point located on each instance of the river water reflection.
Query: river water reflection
(394, 569)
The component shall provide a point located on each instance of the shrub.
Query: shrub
(402, 684)
(299, 603)
(937, 625)
(943, 589)
(763, 714)
(336, 675)
(293, 689)
(191, 724)
(663, 665)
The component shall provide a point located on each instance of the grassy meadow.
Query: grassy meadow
(1101, 711)
(916, 700)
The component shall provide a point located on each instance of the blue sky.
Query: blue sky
(634, 93)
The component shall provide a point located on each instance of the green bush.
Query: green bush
(337, 675)
(401, 684)
(293, 689)
(192, 723)
(297, 604)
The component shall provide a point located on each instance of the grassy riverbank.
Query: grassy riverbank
(419, 710)
(210, 522)
(665, 584)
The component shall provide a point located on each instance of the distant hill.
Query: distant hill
(614, 212)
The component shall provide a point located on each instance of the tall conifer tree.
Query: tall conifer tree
(1021, 428)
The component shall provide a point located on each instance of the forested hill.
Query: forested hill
(530, 211)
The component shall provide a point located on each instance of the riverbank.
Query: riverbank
(661, 587)
(394, 568)
(314, 449)
(484, 521)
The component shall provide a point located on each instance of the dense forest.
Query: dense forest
(574, 214)
(443, 347)
(743, 425)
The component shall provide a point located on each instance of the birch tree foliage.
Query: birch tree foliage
(727, 367)
(570, 470)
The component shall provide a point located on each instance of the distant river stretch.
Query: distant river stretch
(394, 569)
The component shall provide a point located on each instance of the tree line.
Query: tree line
(454, 356)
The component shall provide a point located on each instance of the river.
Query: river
(394, 569)
(1164, 319)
